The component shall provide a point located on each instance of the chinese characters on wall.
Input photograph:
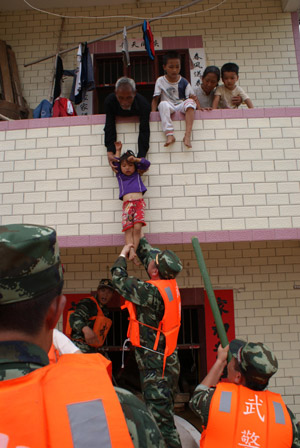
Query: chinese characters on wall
(137, 44)
(224, 299)
(198, 64)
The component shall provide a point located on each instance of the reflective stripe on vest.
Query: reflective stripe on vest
(279, 415)
(87, 431)
(225, 401)
(245, 415)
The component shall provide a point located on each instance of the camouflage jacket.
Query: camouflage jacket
(19, 358)
(85, 309)
(200, 403)
(149, 305)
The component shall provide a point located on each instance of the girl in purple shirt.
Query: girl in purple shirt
(131, 190)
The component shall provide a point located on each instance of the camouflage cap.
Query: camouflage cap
(255, 359)
(29, 262)
(105, 283)
(168, 264)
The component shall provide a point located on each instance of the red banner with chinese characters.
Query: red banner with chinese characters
(224, 299)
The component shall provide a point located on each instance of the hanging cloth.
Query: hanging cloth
(125, 51)
(63, 107)
(43, 110)
(58, 77)
(78, 74)
(85, 75)
(148, 39)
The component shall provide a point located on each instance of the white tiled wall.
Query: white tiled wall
(257, 35)
(240, 174)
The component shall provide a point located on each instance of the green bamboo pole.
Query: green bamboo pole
(210, 294)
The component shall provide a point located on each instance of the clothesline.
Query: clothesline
(67, 50)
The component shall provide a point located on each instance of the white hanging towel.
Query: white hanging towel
(79, 67)
(125, 47)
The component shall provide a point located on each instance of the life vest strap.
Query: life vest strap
(157, 336)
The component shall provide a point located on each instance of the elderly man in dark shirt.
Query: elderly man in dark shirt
(126, 102)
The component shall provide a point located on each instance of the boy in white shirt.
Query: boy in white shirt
(174, 91)
(225, 93)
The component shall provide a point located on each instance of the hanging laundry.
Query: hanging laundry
(63, 107)
(43, 110)
(78, 75)
(58, 77)
(125, 51)
(73, 74)
(85, 75)
(148, 39)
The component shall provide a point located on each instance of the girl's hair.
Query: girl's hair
(126, 155)
(212, 69)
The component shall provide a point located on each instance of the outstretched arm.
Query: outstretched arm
(249, 103)
(201, 398)
(154, 103)
(131, 288)
(118, 146)
(144, 131)
(146, 252)
(215, 102)
(215, 373)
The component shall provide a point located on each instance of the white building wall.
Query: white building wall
(241, 174)
(256, 35)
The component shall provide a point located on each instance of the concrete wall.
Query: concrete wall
(257, 35)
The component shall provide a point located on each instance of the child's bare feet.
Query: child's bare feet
(132, 254)
(170, 140)
(187, 140)
(133, 257)
(136, 260)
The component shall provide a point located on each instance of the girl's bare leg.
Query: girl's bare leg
(129, 240)
(189, 120)
(137, 233)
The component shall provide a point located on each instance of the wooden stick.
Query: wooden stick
(211, 295)
(3, 117)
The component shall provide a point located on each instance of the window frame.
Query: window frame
(144, 88)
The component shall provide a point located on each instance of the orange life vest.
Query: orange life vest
(68, 404)
(101, 325)
(242, 417)
(169, 326)
(53, 354)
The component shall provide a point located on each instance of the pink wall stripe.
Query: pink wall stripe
(184, 237)
(199, 115)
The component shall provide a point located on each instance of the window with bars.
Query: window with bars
(109, 67)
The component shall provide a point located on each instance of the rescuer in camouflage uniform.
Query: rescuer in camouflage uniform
(31, 281)
(80, 321)
(252, 365)
(158, 392)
